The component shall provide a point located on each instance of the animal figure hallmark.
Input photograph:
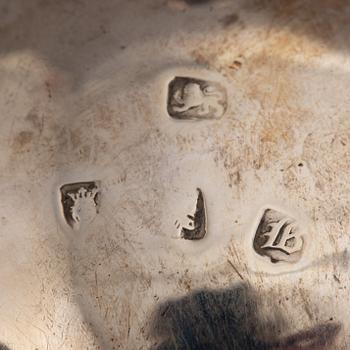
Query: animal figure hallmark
(278, 237)
(80, 202)
(190, 98)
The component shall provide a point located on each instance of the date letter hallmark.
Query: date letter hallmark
(278, 237)
(80, 202)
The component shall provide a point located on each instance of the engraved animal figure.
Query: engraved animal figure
(278, 237)
(196, 99)
(199, 221)
(193, 96)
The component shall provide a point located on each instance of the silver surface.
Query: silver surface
(101, 158)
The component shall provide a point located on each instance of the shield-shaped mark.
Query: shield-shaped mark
(80, 202)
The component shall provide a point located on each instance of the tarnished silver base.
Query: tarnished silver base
(174, 174)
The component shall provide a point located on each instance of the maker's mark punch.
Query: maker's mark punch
(198, 221)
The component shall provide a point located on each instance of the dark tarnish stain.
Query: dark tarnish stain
(36, 122)
(22, 139)
(230, 319)
(4, 347)
(229, 20)
(197, 2)
(318, 20)
(316, 338)
(48, 89)
(34, 119)
(199, 221)
(236, 64)
(336, 278)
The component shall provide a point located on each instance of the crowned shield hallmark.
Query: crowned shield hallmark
(80, 202)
